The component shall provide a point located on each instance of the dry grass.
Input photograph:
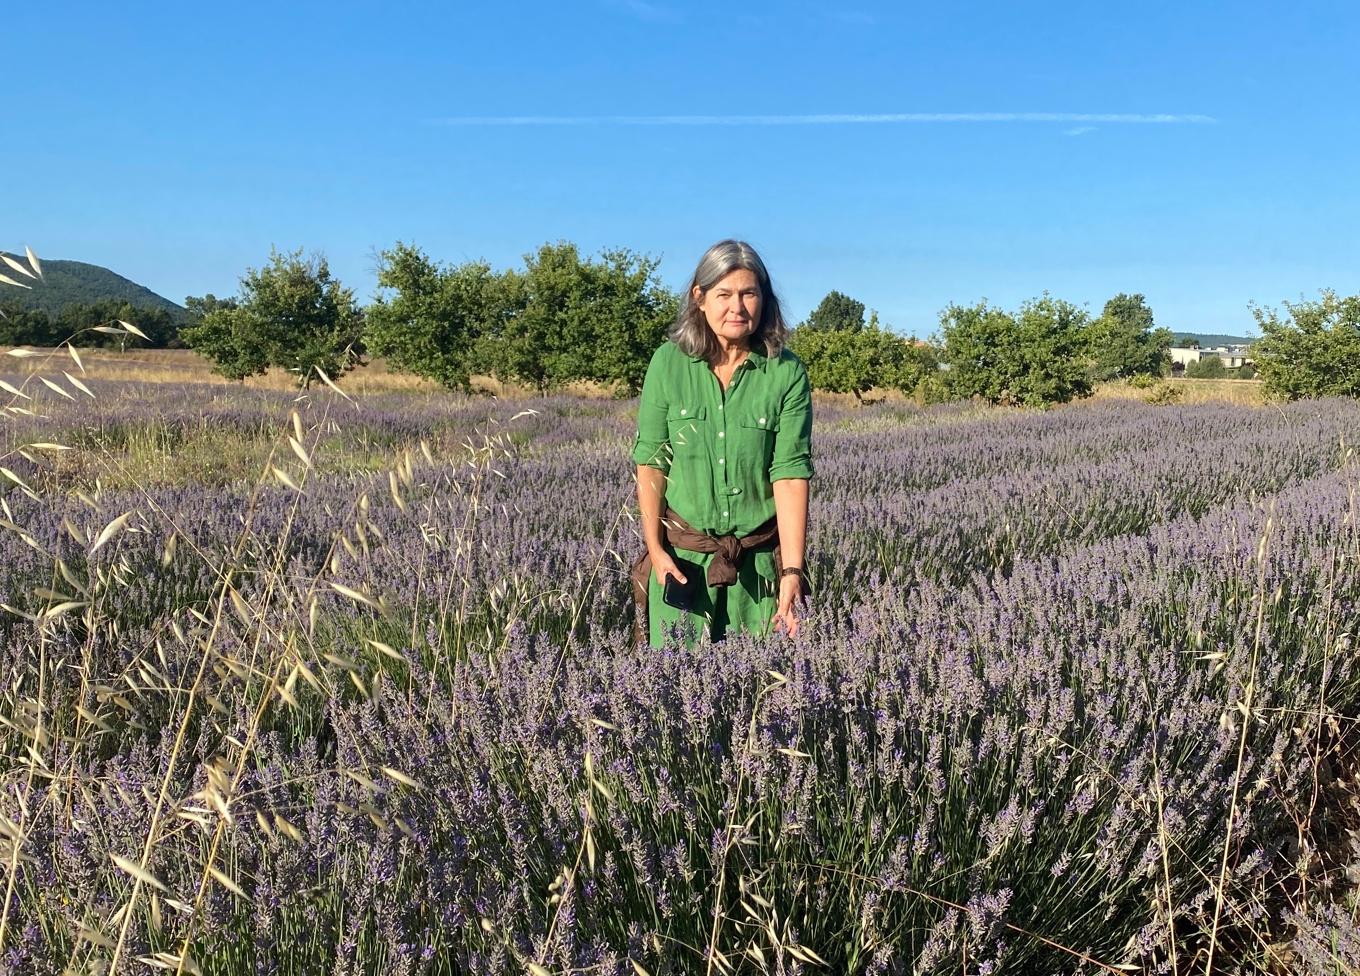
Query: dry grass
(1246, 393)
(186, 366)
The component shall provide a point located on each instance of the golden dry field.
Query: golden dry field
(184, 365)
(1246, 393)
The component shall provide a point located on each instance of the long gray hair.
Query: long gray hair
(690, 330)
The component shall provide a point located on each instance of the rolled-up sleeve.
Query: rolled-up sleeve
(652, 446)
(793, 439)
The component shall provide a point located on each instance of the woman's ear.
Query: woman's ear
(698, 297)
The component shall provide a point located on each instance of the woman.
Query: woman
(724, 456)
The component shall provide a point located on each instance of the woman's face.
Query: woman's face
(732, 306)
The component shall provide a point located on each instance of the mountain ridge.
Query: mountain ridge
(78, 282)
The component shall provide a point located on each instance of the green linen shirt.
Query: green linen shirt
(723, 450)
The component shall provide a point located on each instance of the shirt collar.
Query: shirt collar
(754, 360)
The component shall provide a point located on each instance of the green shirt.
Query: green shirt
(723, 451)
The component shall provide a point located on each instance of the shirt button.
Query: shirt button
(724, 515)
(722, 460)
(762, 419)
(720, 406)
(683, 412)
(722, 433)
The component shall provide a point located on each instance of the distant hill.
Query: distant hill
(1207, 339)
(75, 282)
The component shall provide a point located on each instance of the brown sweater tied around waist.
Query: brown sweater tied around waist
(728, 550)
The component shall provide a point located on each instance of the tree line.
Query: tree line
(80, 323)
(565, 317)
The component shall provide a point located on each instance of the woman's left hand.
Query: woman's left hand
(790, 595)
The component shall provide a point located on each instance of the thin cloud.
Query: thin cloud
(1080, 118)
(856, 18)
(1080, 130)
(644, 10)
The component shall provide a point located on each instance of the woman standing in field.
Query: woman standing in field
(724, 453)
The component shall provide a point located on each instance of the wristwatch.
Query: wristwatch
(793, 571)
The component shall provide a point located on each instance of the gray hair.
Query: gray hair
(690, 330)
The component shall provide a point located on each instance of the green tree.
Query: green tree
(845, 360)
(1126, 342)
(20, 326)
(913, 368)
(575, 319)
(1206, 368)
(1312, 350)
(222, 334)
(1033, 357)
(81, 321)
(838, 360)
(290, 313)
(431, 320)
(836, 313)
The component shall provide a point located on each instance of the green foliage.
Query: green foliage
(1126, 342)
(290, 313)
(847, 360)
(1246, 372)
(66, 283)
(597, 320)
(1033, 357)
(222, 335)
(20, 326)
(1207, 368)
(1313, 350)
(76, 322)
(559, 320)
(836, 313)
(434, 319)
(839, 360)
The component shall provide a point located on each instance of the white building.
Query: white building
(1232, 357)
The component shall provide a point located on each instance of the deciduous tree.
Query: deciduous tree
(836, 313)
(430, 319)
(1126, 342)
(581, 319)
(1312, 349)
(1033, 357)
(291, 313)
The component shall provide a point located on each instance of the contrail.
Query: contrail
(1112, 118)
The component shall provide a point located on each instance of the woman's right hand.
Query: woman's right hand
(663, 563)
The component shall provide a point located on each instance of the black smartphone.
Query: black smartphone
(677, 594)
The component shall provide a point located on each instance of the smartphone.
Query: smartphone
(679, 595)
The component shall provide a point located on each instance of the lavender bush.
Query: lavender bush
(1061, 704)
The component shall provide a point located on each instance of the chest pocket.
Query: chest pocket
(687, 427)
(755, 433)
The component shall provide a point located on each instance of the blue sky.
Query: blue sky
(176, 145)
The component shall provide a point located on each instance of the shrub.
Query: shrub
(1207, 368)
(1033, 357)
(1311, 350)
(291, 313)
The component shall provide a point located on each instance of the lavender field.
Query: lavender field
(320, 685)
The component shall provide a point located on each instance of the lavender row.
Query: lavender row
(1002, 729)
(1002, 748)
